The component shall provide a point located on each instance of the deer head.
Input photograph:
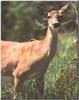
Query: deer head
(54, 17)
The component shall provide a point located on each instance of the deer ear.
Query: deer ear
(63, 8)
(44, 10)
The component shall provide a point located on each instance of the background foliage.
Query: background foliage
(22, 21)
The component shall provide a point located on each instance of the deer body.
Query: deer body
(27, 60)
(28, 56)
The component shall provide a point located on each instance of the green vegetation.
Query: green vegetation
(18, 24)
(61, 76)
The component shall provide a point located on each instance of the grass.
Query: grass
(61, 76)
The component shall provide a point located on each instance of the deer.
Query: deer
(28, 60)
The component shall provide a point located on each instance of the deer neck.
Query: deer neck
(51, 41)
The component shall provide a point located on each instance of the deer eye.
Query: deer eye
(48, 16)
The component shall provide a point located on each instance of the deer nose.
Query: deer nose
(56, 25)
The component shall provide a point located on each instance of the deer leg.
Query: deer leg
(16, 84)
(40, 85)
(18, 89)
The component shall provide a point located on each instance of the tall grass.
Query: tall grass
(61, 76)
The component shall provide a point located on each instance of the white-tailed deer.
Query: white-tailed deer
(27, 60)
